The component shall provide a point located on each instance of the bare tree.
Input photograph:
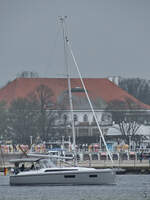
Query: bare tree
(22, 120)
(4, 131)
(127, 119)
(46, 115)
(32, 116)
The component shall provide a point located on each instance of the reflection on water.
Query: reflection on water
(128, 187)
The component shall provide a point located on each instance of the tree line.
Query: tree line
(137, 87)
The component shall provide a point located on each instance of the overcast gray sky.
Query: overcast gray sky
(108, 37)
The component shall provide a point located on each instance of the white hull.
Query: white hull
(53, 177)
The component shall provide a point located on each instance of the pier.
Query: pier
(126, 166)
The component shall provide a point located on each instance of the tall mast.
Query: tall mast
(65, 39)
(67, 44)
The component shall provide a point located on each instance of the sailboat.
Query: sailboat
(47, 173)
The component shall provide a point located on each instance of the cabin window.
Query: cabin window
(69, 176)
(93, 176)
(85, 118)
(57, 170)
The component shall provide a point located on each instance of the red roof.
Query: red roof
(97, 88)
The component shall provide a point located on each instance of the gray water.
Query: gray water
(128, 187)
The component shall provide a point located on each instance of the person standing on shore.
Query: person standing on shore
(141, 157)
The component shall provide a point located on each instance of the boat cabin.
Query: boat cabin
(26, 164)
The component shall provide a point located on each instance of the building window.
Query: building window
(85, 118)
(65, 118)
(75, 117)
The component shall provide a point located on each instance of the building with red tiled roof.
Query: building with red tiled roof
(99, 89)
(102, 93)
